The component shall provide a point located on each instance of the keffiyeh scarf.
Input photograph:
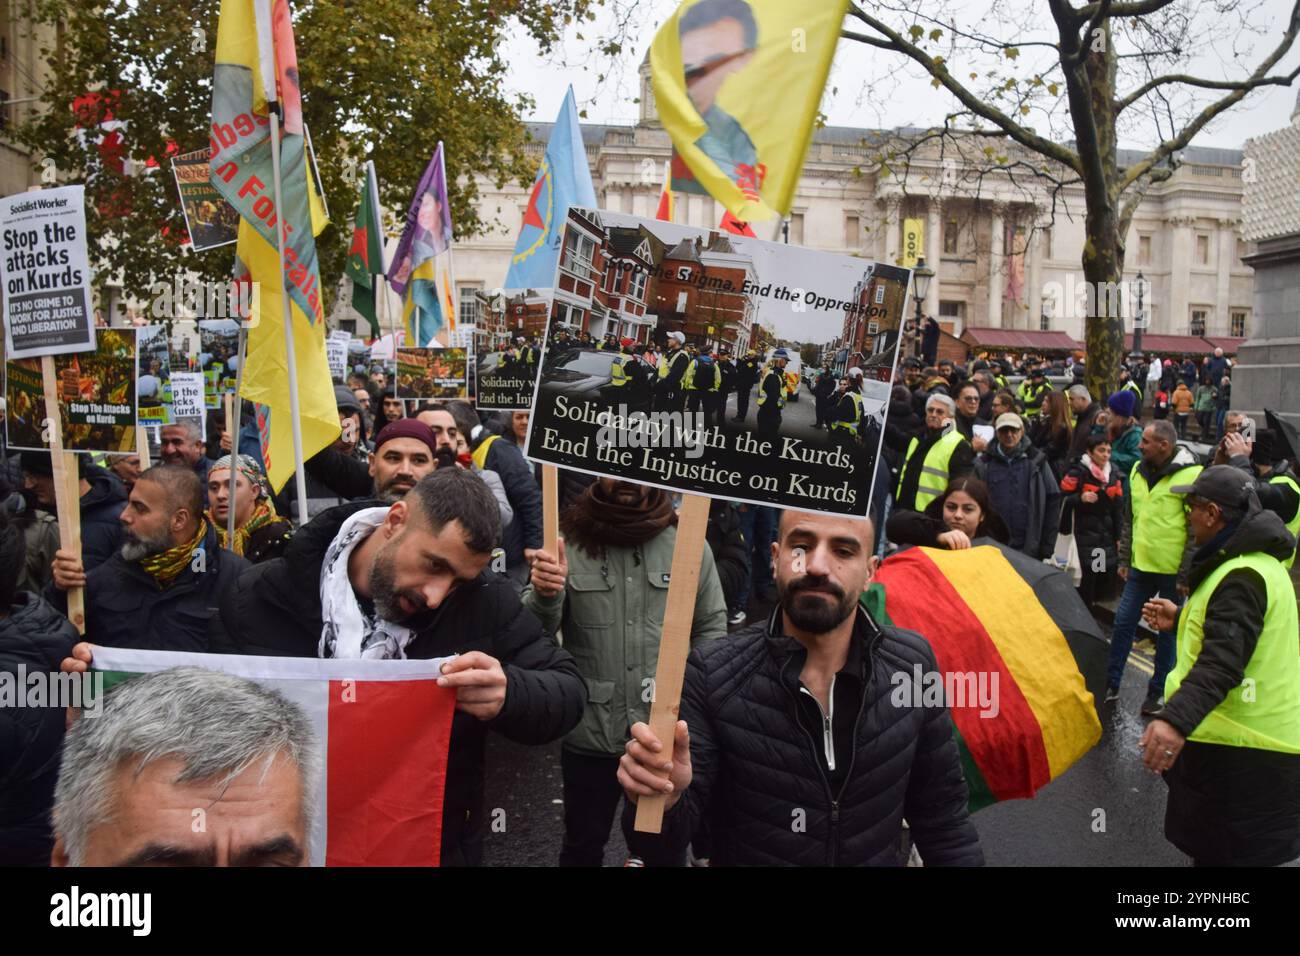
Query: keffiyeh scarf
(165, 566)
(349, 631)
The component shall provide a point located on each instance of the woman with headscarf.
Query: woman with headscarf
(260, 533)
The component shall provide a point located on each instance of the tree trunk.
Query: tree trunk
(1103, 247)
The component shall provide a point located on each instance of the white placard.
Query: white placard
(45, 274)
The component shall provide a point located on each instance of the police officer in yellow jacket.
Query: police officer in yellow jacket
(846, 421)
(1032, 391)
(673, 361)
(1228, 737)
(771, 395)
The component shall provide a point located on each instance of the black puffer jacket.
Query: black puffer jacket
(37, 637)
(126, 608)
(1096, 524)
(759, 771)
(277, 611)
(525, 530)
(101, 506)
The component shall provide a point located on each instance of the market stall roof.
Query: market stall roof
(1019, 339)
(1182, 344)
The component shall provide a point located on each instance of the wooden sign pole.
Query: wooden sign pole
(142, 445)
(675, 644)
(67, 487)
(550, 508)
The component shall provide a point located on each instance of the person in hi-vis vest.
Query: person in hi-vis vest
(1228, 737)
(673, 361)
(1155, 549)
(935, 458)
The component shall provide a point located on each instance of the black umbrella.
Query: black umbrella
(1286, 438)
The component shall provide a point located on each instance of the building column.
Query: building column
(1034, 272)
(892, 250)
(933, 249)
(1177, 322)
(1221, 320)
(995, 276)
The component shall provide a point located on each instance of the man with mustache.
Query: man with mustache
(161, 590)
(790, 741)
(411, 580)
(607, 586)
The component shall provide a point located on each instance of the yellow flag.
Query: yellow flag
(913, 241)
(737, 84)
(266, 368)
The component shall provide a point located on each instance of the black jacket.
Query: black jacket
(277, 611)
(37, 637)
(730, 550)
(1025, 494)
(1097, 525)
(126, 608)
(101, 506)
(525, 497)
(764, 776)
(1231, 805)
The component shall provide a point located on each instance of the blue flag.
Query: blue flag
(563, 181)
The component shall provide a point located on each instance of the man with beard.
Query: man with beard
(411, 580)
(161, 590)
(616, 553)
(405, 451)
(181, 443)
(791, 741)
(102, 498)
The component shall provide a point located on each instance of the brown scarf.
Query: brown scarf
(594, 523)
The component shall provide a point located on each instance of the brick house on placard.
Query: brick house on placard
(699, 291)
(581, 271)
(630, 256)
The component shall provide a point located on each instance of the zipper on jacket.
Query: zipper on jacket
(826, 786)
(828, 740)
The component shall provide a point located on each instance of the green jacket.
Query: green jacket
(1205, 396)
(610, 616)
(1124, 453)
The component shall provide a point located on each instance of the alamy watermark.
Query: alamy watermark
(185, 297)
(922, 688)
(1081, 299)
(40, 688)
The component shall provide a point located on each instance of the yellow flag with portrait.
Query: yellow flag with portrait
(737, 84)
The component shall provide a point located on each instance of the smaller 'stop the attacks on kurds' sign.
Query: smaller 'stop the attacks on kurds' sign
(95, 391)
(45, 273)
(686, 357)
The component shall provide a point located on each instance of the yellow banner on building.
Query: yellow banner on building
(737, 84)
(913, 242)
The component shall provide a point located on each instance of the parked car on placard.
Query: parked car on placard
(583, 373)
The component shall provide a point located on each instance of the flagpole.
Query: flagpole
(454, 318)
(234, 434)
(290, 356)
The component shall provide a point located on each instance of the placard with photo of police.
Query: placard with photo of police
(711, 363)
(507, 345)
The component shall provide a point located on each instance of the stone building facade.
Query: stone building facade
(1001, 252)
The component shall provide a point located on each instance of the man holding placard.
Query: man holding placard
(800, 692)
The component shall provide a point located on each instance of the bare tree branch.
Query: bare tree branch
(1197, 81)
(1172, 145)
(939, 71)
(1125, 9)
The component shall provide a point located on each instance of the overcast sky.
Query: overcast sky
(867, 89)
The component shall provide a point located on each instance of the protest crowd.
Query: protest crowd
(425, 539)
(1003, 517)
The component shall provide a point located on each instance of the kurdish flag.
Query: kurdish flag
(421, 273)
(992, 611)
(366, 254)
(563, 180)
(383, 729)
(257, 63)
(737, 84)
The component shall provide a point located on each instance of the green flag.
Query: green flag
(366, 255)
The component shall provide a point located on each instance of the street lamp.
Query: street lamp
(921, 277)
(1139, 320)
